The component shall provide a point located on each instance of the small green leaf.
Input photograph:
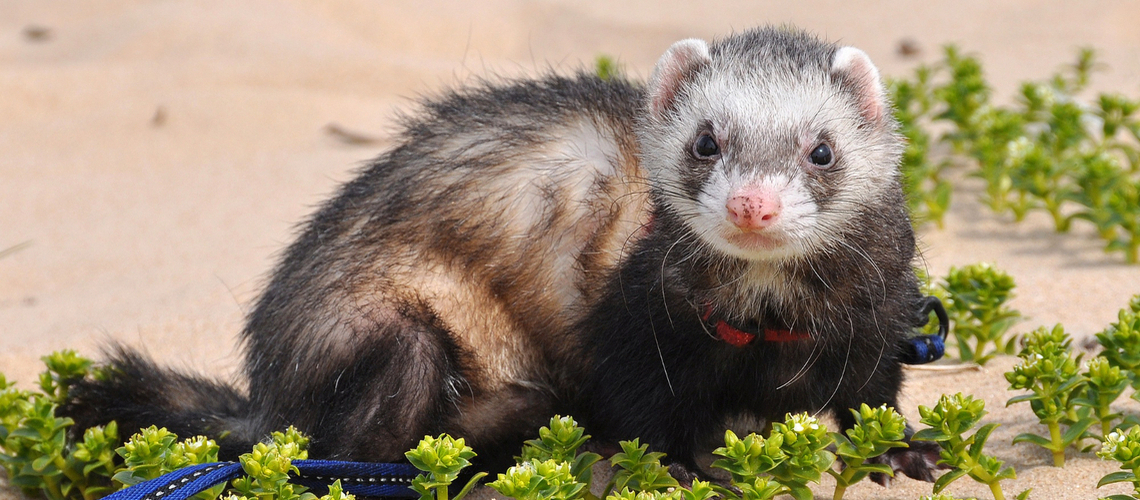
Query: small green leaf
(1033, 438)
(700, 490)
(1022, 398)
(1006, 473)
(470, 484)
(127, 478)
(878, 468)
(800, 492)
(1116, 477)
(981, 437)
(943, 481)
(41, 463)
(930, 434)
(1076, 429)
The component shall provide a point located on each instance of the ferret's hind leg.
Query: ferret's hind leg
(401, 383)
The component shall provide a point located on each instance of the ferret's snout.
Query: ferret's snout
(753, 209)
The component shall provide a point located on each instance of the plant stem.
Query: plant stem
(52, 487)
(1102, 413)
(1058, 445)
(995, 488)
(839, 489)
(1060, 224)
(441, 493)
(75, 477)
(844, 479)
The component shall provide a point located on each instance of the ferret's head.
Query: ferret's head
(769, 145)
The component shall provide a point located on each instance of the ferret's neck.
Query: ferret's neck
(746, 287)
(738, 288)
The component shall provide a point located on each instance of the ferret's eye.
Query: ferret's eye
(821, 155)
(705, 147)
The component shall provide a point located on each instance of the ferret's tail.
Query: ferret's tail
(135, 393)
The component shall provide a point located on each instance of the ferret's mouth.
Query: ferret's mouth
(758, 241)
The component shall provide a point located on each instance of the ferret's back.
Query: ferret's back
(498, 214)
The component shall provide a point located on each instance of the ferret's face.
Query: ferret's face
(771, 161)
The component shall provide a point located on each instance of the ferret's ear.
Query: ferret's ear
(853, 65)
(672, 69)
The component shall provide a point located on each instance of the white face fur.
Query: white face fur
(767, 122)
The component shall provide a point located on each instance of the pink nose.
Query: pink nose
(752, 209)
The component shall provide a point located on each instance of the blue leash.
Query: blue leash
(359, 478)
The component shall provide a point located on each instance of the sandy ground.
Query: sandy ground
(157, 156)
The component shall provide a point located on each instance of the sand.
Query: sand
(157, 156)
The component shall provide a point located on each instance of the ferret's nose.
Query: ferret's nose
(753, 209)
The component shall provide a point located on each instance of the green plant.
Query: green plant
(752, 456)
(1048, 151)
(876, 430)
(63, 369)
(976, 299)
(33, 441)
(949, 420)
(700, 490)
(641, 476)
(39, 459)
(805, 442)
(927, 191)
(1121, 341)
(1098, 177)
(1123, 447)
(794, 454)
(964, 95)
(757, 488)
(1124, 214)
(747, 459)
(607, 68)
(1105, 384)
(1048, 370)
(268, 467)
(153, 452)
(560, 442)
(640, 470)
(442, 458)
(539, 480)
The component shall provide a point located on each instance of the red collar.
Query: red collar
(740, 338)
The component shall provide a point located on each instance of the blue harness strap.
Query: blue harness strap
(923, 349)
(358, 478)
(180, 484)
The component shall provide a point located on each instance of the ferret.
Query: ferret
(730, 238)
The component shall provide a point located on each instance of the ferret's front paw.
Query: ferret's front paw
(918, 462)
(684, 474)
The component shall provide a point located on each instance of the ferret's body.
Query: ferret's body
(566, 245)
(443, 286)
